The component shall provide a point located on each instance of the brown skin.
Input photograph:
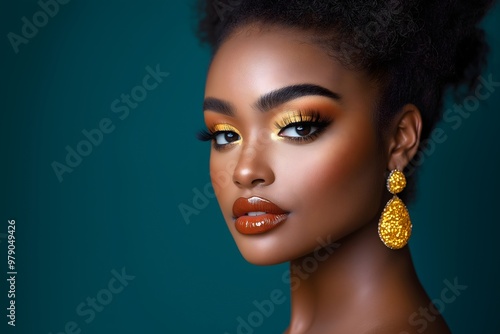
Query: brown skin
(333, 186)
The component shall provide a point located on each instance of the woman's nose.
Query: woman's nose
(253, 168)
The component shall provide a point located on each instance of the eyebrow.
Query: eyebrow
(217, 105)
(272, 99)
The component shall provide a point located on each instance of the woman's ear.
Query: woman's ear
(404, 137)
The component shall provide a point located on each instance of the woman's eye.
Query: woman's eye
(226, 137)
(298, 130)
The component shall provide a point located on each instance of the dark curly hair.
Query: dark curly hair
(414, 49)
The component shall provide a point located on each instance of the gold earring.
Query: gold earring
(394, 226)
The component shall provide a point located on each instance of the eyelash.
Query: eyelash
(205, 135)
(210, 135)
(311, 118)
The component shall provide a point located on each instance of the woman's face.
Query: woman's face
(293, 128)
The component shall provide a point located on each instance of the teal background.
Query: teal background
(119, 207)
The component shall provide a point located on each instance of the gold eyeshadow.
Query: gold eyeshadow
(295, 116)
(285, 119)
(225, 127)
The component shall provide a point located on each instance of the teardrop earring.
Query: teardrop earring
(394, 226)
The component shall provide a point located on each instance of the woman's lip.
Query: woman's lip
(256, 215)
(242, 206)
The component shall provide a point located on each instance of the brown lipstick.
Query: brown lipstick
(257, 215)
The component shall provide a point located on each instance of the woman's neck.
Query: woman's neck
(348, 280)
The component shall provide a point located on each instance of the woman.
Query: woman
(316, 111)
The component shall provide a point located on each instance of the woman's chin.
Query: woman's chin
(262, 255)
(262, 259)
